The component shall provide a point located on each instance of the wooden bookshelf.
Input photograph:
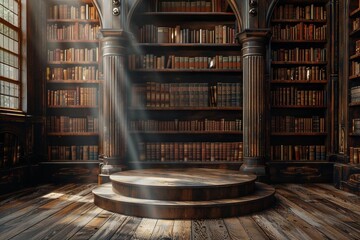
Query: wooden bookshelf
(299, 82)
(72, 81)
(216, 59)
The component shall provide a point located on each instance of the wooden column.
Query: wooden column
(113, 120)
(253, 51)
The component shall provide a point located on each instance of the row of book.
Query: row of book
(354, 155)
(297, 124)
(9, 39)
(313, 73)
(65, 11)
(191, 6)
(355, 94)
(10, 150)
(356, 125)
(298, 152)
(190, 151)
(154, 94)
(74, 55)
(204, 125)
(299, 12)
(299, 54)
(357, 47)
(151, 61)
(157, 34)
(78, 73)
(300, 31)
(292, 96)
(79, 96)
(355, 68)
(72, 124)
(73, 152)
(356, 24)
(76, 31)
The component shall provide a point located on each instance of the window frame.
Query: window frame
(18, 30)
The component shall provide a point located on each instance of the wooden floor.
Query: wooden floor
(314, 211)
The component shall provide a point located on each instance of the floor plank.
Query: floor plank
(304, 212)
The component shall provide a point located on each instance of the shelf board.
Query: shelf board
(74, 81)
(71, 63)
(298, 107)
(355, 56)
(354, 134)
(297, 63)
(297, 41)
(354, 104)
(187, 132)
(303, 2)
(299, 81)
(59, 161)
(169, 70)
(186, 108)
(72, 41)
(301, 161)
(355, 32)
(322, 21)
(73, 21)
(72, 106)
(187, 45)
(73, 134)
(355, 13)
(354, 77)
(298, 134)
(184, 162)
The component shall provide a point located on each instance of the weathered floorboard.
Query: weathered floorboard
(311, 211)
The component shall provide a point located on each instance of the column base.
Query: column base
(106, 170)
(254, 165)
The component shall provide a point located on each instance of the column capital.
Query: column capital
(259, 34)
(114, 42)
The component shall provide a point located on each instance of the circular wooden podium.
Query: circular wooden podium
(190, 193)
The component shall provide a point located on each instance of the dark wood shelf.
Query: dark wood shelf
(302, 161)
(50, 41)
(355, 13)
(354, 134)
(299, 81)
(354, 77)
(299, 133)
(285, 21)
(276, 41)
(184, 162)
(297, 63)
(189, 45)
(74, 21)
(72, 106)
(71, 63)
(355, 33)
(354, 104)
(303, 2)
(187, 132)
(355, 56)
(74, 81)
(186, 108)
(209, 70)
(73, 134)
(60, 161)
(298, 107)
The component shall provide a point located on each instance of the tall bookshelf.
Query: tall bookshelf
(72, 81)
(186, 84)
(299, 90)
(346, 174)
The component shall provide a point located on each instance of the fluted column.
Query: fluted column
(113, 117)
(253, 51)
